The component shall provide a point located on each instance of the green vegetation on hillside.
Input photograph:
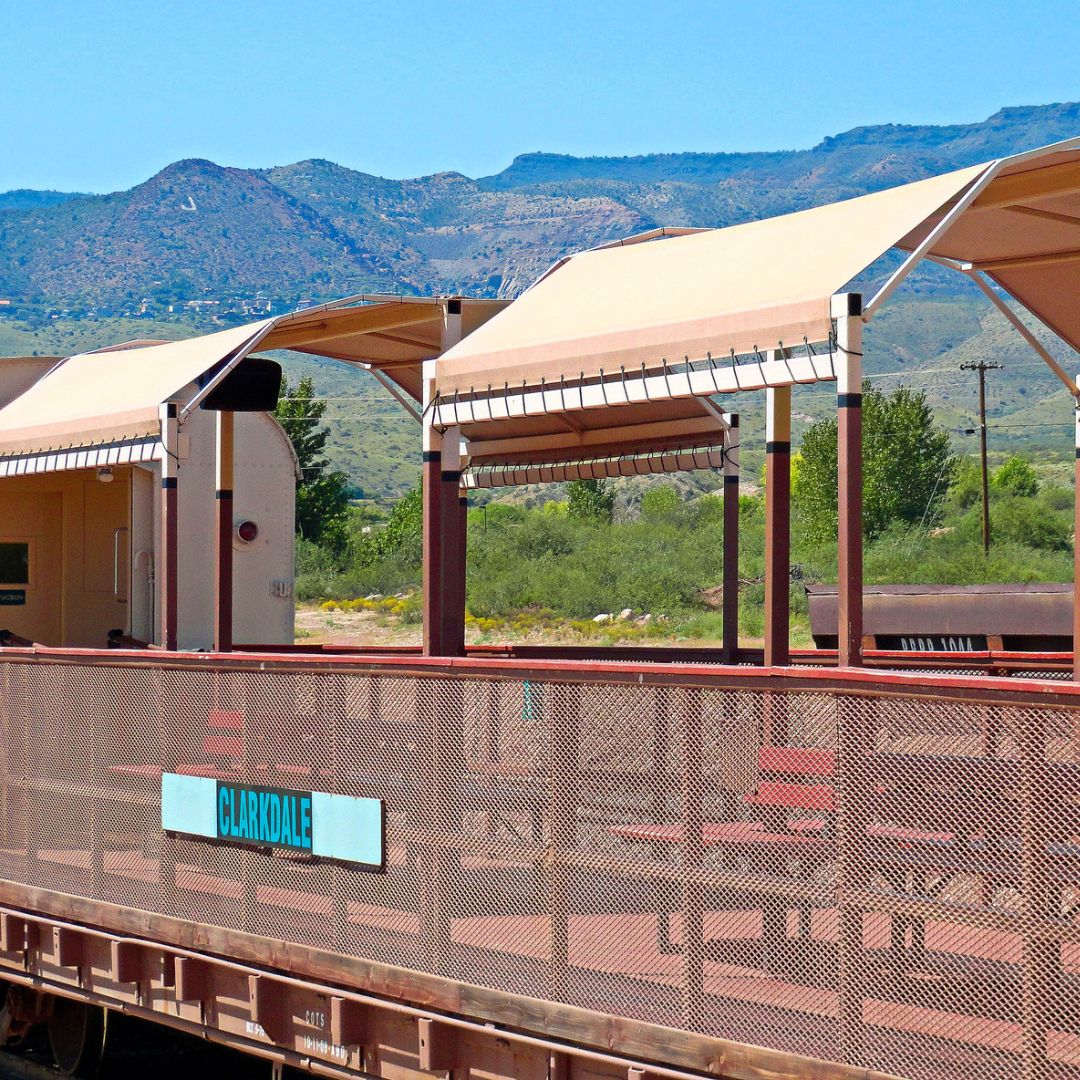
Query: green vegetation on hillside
(201, 233)
(530, 567)
(559, 565)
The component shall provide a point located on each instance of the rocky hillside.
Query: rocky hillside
(197, 231)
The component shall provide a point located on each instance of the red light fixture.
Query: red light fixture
(247, 531)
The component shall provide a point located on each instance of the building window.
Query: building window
(14, 562)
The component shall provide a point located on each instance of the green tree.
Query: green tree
(401, 539)
(322, 498)
(659, 502)
(590, 500)
(1016, 477)
(908, 466)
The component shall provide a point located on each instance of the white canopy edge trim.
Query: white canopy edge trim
(636, 388)
(662, 461)
(228, 363)
(133, 452)
(993, 168)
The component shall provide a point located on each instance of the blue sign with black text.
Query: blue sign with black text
(341, 827)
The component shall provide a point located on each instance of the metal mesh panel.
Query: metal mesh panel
(892, 882)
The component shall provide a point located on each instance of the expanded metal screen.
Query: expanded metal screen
(887, 881)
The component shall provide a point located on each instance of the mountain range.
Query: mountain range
(199, 242)
(316, 229)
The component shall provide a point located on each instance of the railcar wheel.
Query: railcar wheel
(20, 1011)
(77, 1034)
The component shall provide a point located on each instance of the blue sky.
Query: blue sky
(98, 96)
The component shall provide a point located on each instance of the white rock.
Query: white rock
(373, 596)
(608, 617)
(644, 620)
(626, 613)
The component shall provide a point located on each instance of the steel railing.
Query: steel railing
(877, 869)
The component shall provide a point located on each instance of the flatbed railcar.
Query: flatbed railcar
(517, 862)
(952, 618)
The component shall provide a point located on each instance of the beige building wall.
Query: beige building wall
(78, 559)
(94, 545)
(263, 492)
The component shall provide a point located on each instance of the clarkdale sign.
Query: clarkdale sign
(264, 816)
(340, 827)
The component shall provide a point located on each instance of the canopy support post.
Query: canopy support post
(223, 580)
(453, 546)
(847, 310)
(1076, 553)
(730, 643)
(459, 578)
(444, 532)
(444, 545)
(169, 524)
(434, 528)
(777, 526)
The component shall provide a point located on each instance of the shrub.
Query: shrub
(590, 500)
(660, 501)
(1016, 477)
(907, 465)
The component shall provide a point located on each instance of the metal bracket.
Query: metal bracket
(438, 1049)
(266, 1002)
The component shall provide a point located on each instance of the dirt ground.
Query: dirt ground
(317, 627)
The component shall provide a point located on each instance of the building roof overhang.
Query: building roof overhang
(113, 396)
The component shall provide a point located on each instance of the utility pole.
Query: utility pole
(982, 367)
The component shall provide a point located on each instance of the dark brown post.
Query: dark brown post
(777, 526)
(444, 547)
(1076, 556)
(169, 529)
(444, 532)
(434, 537)
(461, 579)
(730, 650)
(453, 548)
(223, 579)
(847, 309)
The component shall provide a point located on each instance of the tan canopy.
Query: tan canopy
(113, 396)
(391, 334)
(1023, 232)
(654, 328)
(746, 287)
